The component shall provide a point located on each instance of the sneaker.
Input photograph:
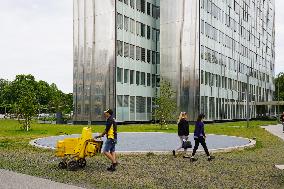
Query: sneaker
(111, 168)
(210, 158)
(192, 159)
(174, 153)
(115, 164)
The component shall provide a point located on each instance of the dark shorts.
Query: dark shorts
(109, 145)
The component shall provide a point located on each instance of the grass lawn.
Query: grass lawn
(251, 168)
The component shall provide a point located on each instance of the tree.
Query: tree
(279, 83)
(166, 107)
(21, 93)
(26, 97)
(3, 84)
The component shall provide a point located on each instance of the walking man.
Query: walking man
(111, 134)
(282, 120)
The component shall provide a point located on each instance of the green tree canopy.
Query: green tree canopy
(279, 84)
(166, 107)
(26, 96)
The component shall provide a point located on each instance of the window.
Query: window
(126, 2)
(202, 77)
(126, 71)
(143, 4)
(138, 53)
(143, 30)
(126, 50)
(158, 81)
(119, 21)
(120, 48)
(149, 56)
(140, 104)
(132, 104)
(119, 100)
(155, 12)
(138, 28)
(126, 21)
(158, 58)
(143, 52)
(148, 79)
(202, 26)
(132, 26)
(149, 104)
(126, 101)
(137, 77)
(138, 5)
(148, 8)
(131, 77)
(148, 32)
(153, 57)
(143, 78)
(132, 4)
(131, 54)
(119, 75)
(154, 34)
(153, 80)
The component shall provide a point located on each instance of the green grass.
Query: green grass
(252, 168)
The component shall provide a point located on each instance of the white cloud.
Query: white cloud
(36, 37)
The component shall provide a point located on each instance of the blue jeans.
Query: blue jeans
(109, 145)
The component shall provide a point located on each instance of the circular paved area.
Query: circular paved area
(156, 142)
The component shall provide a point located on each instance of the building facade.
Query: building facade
(212, 52)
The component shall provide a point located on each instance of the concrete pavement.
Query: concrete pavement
(12, 180)
(276, 130)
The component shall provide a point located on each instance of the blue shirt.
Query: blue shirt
(199, 129)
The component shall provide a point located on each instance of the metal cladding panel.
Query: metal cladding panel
(94, 58)
(180, 51)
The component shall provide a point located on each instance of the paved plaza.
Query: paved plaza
(156, 142)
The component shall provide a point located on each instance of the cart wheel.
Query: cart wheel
(62, 165)
(72, 165)
(82, 163)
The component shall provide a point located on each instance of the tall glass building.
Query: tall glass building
(211, 51)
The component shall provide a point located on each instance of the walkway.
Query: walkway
(276, 130)
(12, 180)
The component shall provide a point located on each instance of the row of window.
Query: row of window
(229, 42)
(138, 28)
(222, 108)
(135, 102)
(212, 32)
(136, 77)
(212, 80)
(242, 11)
(135, 52)
(212, 56)
(141, 7)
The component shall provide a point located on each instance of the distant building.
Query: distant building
(206, 48)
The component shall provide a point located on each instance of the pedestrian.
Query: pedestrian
(199, 137)
(111, 135)
(282, 120)
(183, 131)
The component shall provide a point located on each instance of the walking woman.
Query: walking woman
(199, 137)
(183, 130)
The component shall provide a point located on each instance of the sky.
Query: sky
(36, 37)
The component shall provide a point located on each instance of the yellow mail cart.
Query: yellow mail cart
(74, 151)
